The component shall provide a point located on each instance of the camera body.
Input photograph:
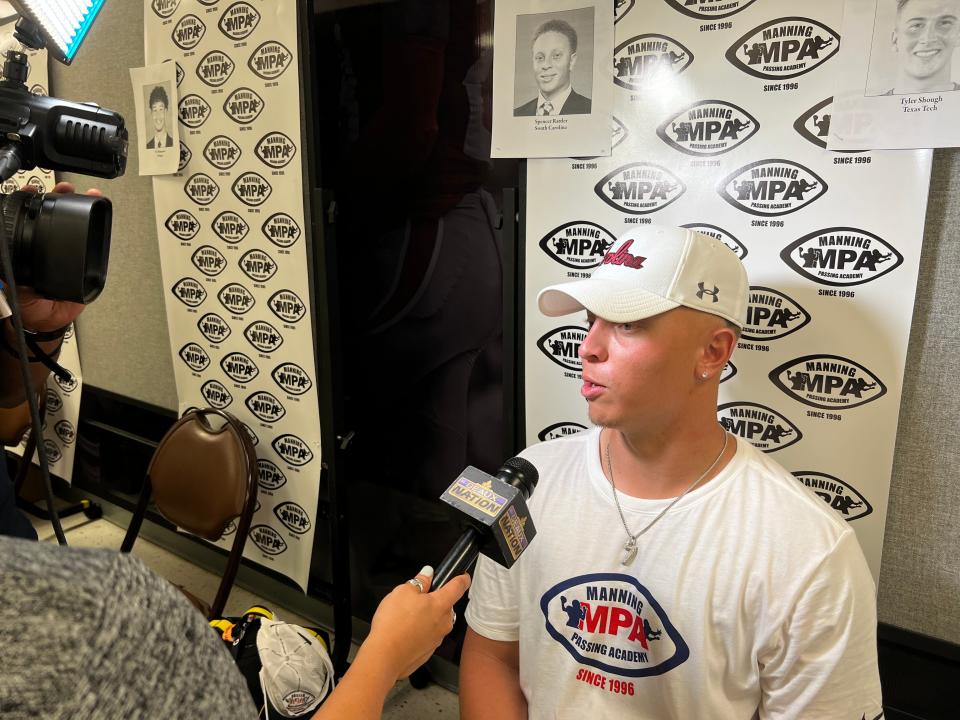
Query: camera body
(60, 243)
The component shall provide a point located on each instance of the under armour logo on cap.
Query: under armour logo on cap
(712, 293)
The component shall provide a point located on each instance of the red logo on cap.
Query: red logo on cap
(622, 257)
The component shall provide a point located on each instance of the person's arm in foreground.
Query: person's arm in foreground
(490, 669)
(406, 629)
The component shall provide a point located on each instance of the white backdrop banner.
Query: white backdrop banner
(732, 141)
(233, 256)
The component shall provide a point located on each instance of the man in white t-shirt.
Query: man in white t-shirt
(677, 572)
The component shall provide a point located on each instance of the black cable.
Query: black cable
(28, 381)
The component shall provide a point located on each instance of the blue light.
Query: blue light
(81, 33)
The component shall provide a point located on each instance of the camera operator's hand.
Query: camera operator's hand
(40, 314)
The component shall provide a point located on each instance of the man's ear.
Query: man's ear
(720, 346)
(893, 41)
(573, 60)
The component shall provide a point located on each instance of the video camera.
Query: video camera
(59, 242)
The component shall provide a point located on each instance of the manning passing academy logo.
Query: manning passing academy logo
(580, 244)
(562, 345)
(239, 21)
(194, 356)
(270, 477)
(708, 128)
(772, 315)
(243, 106)
(830, 382)
(208, 260)
(263, 336)
(784, 48)
(265, 406)
(189, 291)
(281, 229)
(609, 621)
(269, 60)
(257, 265)
(216, 394)
(739, 249)
(560, 430)
(215, 68)
(291, 378)
(640, 188)
(193, 111)
(201, 188)
(293, 450)
(54, 401)
(275, 150)
(52, 450)
(840, 495)
(648, 60)
(188, 33)
(287, 306)
(294, 517)
(183, 225)
(710, 9)
(186, 154)
(728, 372)
(268, 539)
(230, 227)
(814, 125)
(236, 298)
(164, 8)
(214, 328)
(769, 188)
(238, 367)
(222, 152)
(763, 427)
(621, 8)
(68, 385)
(65, 431)
(252, 189)
(841, 256)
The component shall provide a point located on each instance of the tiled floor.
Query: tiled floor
(403, 703)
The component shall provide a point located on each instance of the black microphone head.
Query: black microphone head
(520, 473)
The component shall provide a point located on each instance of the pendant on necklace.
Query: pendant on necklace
(629, 552)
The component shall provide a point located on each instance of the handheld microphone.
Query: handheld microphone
(500, 526)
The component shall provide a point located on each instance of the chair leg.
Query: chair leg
(137, 520)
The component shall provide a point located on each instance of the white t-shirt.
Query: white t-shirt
(749, 598)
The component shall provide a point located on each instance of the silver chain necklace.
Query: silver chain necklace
(630, 547)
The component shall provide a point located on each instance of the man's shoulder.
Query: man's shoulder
(577, 104)
(529, 108)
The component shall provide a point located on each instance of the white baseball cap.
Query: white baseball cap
(652, 269)
(296, 673)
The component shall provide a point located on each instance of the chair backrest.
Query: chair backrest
(203, 477)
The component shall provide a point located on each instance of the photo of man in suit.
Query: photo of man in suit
(554, 50)
(159, 102)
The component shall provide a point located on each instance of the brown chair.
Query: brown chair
(203, 477)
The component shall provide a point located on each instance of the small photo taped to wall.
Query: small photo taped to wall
(157, 129)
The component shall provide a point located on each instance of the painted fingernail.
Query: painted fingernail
(426, 571)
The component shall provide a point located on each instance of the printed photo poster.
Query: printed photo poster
(62, 396)
(731, 141)
(899, 75)
(551, 92)
(234, 252)
(157, 137)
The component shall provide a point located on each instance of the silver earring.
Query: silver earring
(705, 376)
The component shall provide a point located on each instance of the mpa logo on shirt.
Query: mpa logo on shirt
(710, 9)
(236, 298)
(215, 68)
(54, 401)
(251, 189)
(562, 346)
(65, 431)
(293, 450)
(841, 256)
(293, 516)
(263, 336)
(838, 494)
(611, 622)
(239, 368)
(763, 427)
(580, 244)
(222, 152)
(708, 128)
(193, 111)
(201, 188)
(275, 150)
(292, 378)
(646, 61)
(728, 372)
(239, 21)
(188, 33)
(52, 450)
(164, 8)
(208, 260)
(559, 430)
(216, 394)
(739, 249)
(769, 188)
(183, 225)
(270, 476)
(281, 229)
(621, 8)
(771, 315)
(784, 48)
(640, 188)
(230, 227)
(830, 382)
(287, 306)
(268, 539)
(194, 356)
(265, 406)
(269, 60)
(257, 265)
(214, 328)
(185, 156)
(243, 106)
(189, 291)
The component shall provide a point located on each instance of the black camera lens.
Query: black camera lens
(59, 243)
